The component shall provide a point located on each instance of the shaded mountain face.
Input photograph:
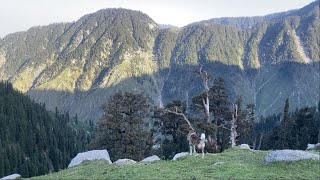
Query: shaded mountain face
(78, 66)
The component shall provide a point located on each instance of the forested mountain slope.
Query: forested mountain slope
(77, 66)
(34, 141)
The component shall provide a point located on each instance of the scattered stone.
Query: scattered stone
(151, 159)
(124, 162)
(290, 155)
(90, 156)
(12, 176)
(179, 155)
(313, 146)
(244, 146)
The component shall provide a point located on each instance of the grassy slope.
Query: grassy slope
(235, 164)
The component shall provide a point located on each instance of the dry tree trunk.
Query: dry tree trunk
(260, 141)
(206, 104)
(254, 142)
(233, 129)
(206, 107)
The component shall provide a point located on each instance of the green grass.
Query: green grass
(232, 164)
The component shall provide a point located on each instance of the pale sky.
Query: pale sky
(20, 15)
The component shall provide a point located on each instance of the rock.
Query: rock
(151, 159)
(90, 156)
(290, 155)
(124, 162)
(244, 146)
(179, 155)
(12, 176)
(313, 146)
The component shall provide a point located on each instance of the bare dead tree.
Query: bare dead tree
(205, 101)
(233, 129)
(260, 140)
(254, 142)
(205, 77)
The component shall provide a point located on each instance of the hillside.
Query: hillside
(77, 66)
(235, 164)
(34, 141)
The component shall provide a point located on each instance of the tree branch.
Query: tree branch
(225, 128)
(180, 114)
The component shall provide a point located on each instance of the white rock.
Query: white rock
(124, 162)
(179, 155)
(313, 146)
(12, 176)
(244, 146)
(90, 156)
(290, 155)
(151, 159)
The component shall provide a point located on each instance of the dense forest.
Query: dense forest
(34, 141)
(123, 127)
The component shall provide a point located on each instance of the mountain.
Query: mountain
(249, 22)
(165, 26)
(77, 66)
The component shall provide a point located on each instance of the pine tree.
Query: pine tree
(221, 112)
(174, 128)
(305, 128)
(121, 129)
(245, 122)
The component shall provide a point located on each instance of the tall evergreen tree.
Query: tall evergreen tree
(305, 128)
(122, 130)
(245, 122)
(173, 129)
(220, 107)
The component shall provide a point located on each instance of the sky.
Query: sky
(20, 15)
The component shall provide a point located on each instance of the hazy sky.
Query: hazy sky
(20, 15)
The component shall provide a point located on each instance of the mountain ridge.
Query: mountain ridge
(95, 54)
(247, 22)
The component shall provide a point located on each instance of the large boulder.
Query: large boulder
(124, 162)
(313, 146)
(290, 155)
(90, 156)
(179, 155)
(12, 176)
(244, 146)
(151, 159)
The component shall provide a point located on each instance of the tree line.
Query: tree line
(132, 128)
(34, 141)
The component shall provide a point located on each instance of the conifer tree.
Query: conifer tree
(121, 129)
(174, 128)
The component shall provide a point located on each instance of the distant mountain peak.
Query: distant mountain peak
(78, 65)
